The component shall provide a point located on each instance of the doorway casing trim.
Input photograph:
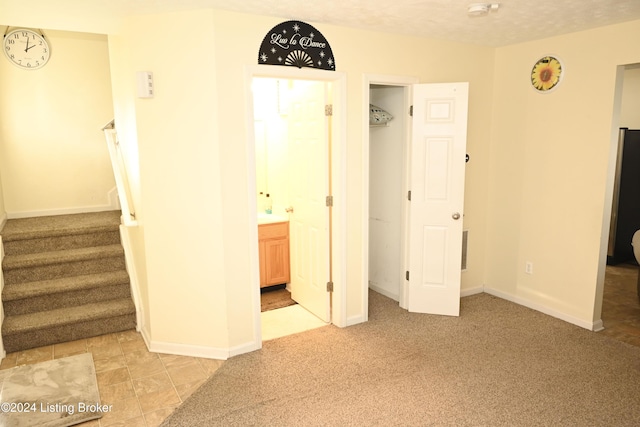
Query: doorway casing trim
(338, 173)
(597, 323)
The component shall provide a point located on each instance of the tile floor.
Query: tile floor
(287, 321)
(143, 387)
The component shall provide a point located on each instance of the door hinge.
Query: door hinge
(328, 110)
(329, 201)
(411, 111)
(409, 195)
(406, 275)
(329, 286)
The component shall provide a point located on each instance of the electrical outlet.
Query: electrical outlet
(528, 267)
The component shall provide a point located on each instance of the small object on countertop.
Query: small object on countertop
(267, 204)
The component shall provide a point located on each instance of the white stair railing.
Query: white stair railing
(120, 173)
(128, 215)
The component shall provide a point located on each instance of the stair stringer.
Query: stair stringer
(134, 282)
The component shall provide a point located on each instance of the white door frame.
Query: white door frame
(401, 81)
(338, 82)
(597, 324)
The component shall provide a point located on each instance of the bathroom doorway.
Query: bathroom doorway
(292, 179)
(293, 136)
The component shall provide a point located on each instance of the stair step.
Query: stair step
(56, 243)
(20, 291)
(57, 264)
(64, 316)
(24, 298)
(48, 233)
(65, 279)
(67, 324)
(56, 257)
(60, 225)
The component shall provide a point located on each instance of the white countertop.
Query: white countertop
(264, 218)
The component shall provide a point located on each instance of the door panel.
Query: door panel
(437, 196)
(309, 179)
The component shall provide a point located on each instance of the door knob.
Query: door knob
(289, 209)
(455, 216)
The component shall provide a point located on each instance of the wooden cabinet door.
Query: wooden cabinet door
(276, 261)
(273, 249)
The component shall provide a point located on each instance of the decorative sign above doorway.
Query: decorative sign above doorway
(296, 43)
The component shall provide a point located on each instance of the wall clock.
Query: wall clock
(26, 49)
(546, 73)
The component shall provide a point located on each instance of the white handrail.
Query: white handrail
(120, 174)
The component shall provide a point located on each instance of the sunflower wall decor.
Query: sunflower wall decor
(546, 73)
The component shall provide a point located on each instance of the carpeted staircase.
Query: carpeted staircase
(65, 279)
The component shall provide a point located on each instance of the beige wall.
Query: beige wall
(194, 237)
(356, 52)
(550, 170)
(53, 155)
(186, 153)
(536, 187)
(178, 178)
(123, 87)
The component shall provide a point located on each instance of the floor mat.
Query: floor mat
(273, 299)
(57, 393)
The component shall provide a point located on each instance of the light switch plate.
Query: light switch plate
(145, 84)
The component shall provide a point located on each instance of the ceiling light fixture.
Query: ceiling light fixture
(481, 9)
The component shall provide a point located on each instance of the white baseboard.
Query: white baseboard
(592, 326)
(67, 211)
(384, 292)
(246, 348)
(471, 291)
(197, 351)
(189, 350)
(3, 219)
(145, 336)
(112, 205)
(354, 320)
(598, 326)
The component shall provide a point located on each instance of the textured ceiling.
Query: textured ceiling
(515, 21)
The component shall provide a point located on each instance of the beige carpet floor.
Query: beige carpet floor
(498, 364)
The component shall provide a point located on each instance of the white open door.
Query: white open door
(309, 187)
(438, 146)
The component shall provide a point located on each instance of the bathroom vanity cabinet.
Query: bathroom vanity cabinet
(273, 246)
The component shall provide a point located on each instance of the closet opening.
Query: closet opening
(387, 177)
